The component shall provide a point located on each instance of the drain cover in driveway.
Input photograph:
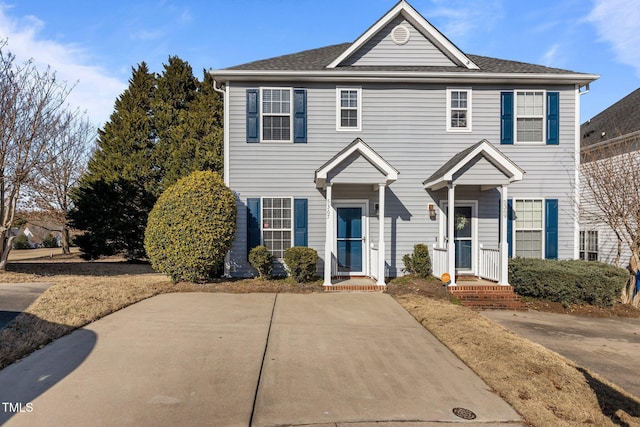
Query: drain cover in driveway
(464, 413)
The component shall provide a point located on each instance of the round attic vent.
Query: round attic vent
(400, 34)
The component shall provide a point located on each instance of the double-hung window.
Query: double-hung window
(529, 225)
(276, 114)
(530, 116)
(277, 224)
(589, 245)
(349, 109)
(458, 109)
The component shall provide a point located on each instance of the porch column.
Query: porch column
(504, 247)
(381, 246)
(451, 243)
(328, 243)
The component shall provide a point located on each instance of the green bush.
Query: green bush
(261, 259)
(419, 262)
(191, 227)
(50, 241)
(301, 262)
(21, 242)
(567, 282)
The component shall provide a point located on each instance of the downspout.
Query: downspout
(577, 186)
(225, 152)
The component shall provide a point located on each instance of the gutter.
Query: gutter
(225, 125)
(403, 76)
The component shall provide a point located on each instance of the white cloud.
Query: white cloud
(95, 90)
(549, 57)
(618, 23)
(463, 17)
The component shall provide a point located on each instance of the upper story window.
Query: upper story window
(349, 108)
(530, 117)
(459, 109)
(530, 114)
(276, 115)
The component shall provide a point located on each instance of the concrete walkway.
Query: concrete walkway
(607, 346)
(253, 359)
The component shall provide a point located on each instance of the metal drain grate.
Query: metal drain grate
(464, 413)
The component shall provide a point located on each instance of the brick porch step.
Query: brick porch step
(487, 297)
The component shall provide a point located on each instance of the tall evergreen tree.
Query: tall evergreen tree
(162, 129)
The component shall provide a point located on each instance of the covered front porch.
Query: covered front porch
(354, 182)
(461, 250)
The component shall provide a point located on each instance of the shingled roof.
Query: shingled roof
(318, 59)
(622, 118)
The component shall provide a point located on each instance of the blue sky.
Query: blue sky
(95, 43)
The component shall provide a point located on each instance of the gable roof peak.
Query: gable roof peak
(404, 9)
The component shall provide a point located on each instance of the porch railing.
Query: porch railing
(439, 261)
(489, 267)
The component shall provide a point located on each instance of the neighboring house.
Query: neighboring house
(401, 125)
(612, 139)
(37, 231)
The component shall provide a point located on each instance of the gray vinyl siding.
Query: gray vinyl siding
(356, 170)
(382, 50)
(406, 125)
(480, 172)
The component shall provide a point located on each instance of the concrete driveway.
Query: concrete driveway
(609, 347)
(16, 297)
(253, 359)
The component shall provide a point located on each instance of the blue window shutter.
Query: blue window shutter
(300, 222)
(506, 118)
(510, 218)
(253, 115)
(253, 224)
(553, 118)
(551, 229)
(299, 115)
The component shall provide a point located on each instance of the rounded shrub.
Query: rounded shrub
(419, 262)
(191, 227)
(261, 259)
(50, 241)
(21, 242)
(301, 262)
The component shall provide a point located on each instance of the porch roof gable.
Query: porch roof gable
(447, 172)
(390, 174)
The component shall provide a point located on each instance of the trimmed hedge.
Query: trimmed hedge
(567, 282)
(261, 259)
(301, 262)
(419, 262)
(191, 228)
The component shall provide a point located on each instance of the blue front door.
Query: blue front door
(350, 240)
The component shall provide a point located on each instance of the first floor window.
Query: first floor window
(528, 228)
(276, 114)
(589, 245)
(277, 224)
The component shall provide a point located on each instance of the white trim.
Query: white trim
(353, 203)
(473, 204)
(339, 126)
(262, 115)
(499, 160)
(421, 24)
(360, 77)
(469, 109)
(368, 153)
(543, 117)
(576, 176)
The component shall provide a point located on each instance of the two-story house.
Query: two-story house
(361, 150)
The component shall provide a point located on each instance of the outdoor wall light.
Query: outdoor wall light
(432, 211)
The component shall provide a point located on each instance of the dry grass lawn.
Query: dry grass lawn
(545, 388)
